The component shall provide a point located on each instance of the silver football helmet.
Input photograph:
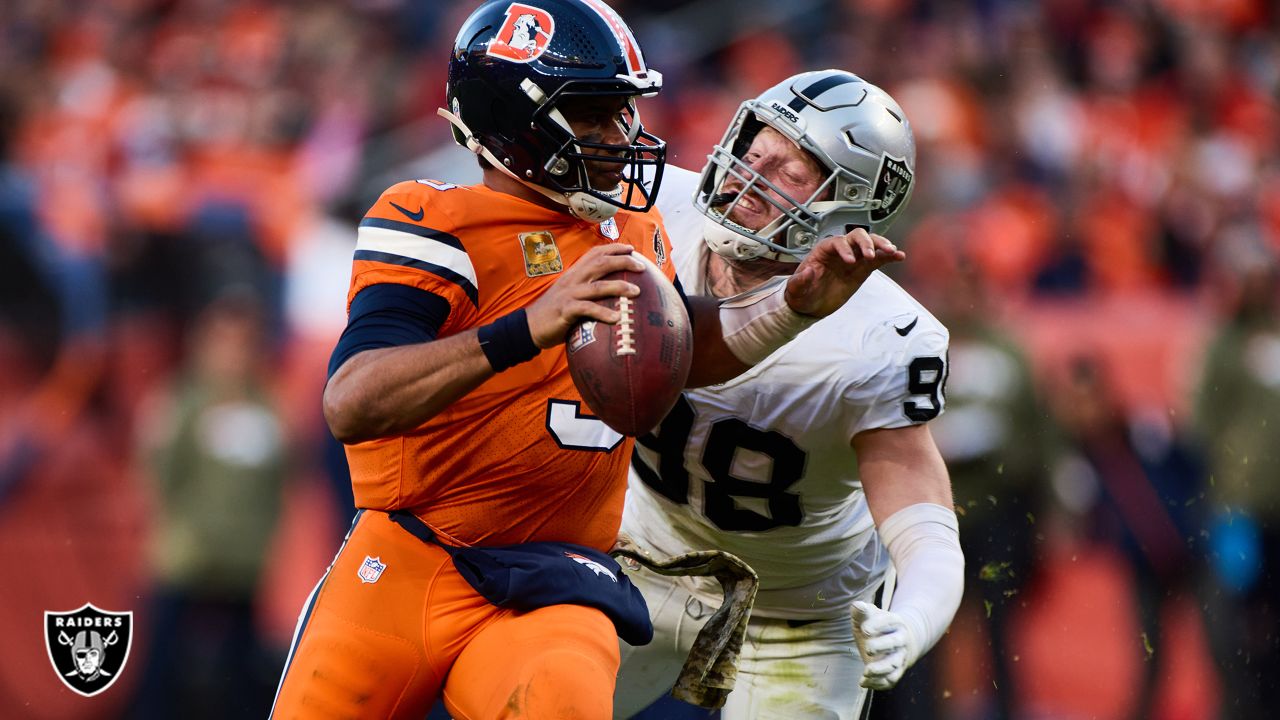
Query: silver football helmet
(856, 132)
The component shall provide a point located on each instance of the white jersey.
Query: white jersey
(762, 466)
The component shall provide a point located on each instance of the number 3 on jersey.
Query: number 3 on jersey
(720, 497)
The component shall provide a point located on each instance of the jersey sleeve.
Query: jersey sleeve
(907, 386)
(408, 238)
(389, 315)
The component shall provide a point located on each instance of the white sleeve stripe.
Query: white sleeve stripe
(423, 249)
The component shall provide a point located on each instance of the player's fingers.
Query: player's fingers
(860, 241)
(602, 260)
(598, 289)
(882, 644)
(588, 310)
(884, 257)
(847, 248)
(879, 622)
(882, 667)
(883, 244)
(614, 248)
(875, 683)
(885, 249)
(861, 611)
(607, 263)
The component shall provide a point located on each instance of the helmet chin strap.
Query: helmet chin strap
(726, 242)
(583, 206)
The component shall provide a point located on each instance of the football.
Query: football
(631, 373)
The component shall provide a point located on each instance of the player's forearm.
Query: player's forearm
(924, 542)
(393, 390)
(735, 333)
(713, 361)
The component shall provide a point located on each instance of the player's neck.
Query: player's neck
(726, 278)
(499, 181)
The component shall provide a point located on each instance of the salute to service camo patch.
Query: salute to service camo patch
(541, 256)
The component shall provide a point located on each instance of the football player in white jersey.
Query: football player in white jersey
(816, 466)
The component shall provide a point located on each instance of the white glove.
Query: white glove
(884, 643)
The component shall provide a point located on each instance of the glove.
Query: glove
(884, 643)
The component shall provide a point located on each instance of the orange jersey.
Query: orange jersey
(517, 459)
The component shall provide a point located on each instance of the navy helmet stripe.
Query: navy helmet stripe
(438, 270)
(426, 232)
(813, 91)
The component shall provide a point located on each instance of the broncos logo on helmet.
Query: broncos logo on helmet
(525, 34)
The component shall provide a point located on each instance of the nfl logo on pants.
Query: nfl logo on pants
(88, 647)
(371, 569)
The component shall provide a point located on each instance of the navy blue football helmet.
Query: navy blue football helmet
(514, 63)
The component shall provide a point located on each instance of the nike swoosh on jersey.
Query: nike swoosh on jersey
(903, 331)
(414, 216)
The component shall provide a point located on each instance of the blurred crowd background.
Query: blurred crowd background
(1096, 217)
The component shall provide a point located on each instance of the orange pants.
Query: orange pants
(390, 648)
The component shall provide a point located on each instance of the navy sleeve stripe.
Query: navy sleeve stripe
(437, 270)
(425, 232)
(389, 315)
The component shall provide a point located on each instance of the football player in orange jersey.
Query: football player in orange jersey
(476, 570)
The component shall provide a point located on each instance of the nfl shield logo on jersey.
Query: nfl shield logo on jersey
(609, 229)
(88, 646)
(371, 569)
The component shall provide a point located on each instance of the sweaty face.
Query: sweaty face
(601, 120)
(782, 163)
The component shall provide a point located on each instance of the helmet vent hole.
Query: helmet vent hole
(854, 142)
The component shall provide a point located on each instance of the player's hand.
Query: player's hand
(572, 297)
(834, 270)
(883, 641)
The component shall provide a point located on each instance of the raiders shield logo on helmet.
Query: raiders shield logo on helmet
(893, 182)
(524, 35)
(88, 646)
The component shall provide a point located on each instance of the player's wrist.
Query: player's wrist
(508, 341)
(758, 322)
